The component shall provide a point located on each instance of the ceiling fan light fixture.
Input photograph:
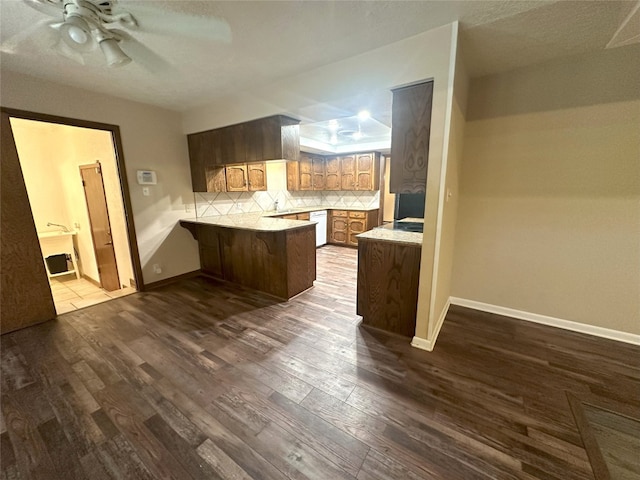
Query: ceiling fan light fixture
(76, 33)
(113, 53)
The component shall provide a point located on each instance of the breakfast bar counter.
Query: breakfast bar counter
(274, 256)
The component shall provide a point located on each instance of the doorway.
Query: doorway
(85, 240)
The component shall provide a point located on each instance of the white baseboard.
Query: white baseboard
(551, 321)
(423, 343)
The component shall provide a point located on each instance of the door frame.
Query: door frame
(122, 174)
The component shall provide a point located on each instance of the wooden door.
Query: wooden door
(25, 294)
(257, 175)
(100, 227)
(236, 178)
(318, 173)
(410, 131)
(339, 230)
(365, 171)
(347, 172)
(332, 173)
(306, 172)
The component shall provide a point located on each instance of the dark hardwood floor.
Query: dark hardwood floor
(203, 380)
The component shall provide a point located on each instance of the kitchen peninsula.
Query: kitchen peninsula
(276, 256)
(388, 274)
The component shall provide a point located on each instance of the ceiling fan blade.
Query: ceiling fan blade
(153, 20)
(141, 54)
(42, 32)
(53, 8)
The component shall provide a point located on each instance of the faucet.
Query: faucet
(64, 228)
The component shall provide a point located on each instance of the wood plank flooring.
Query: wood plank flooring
(203, 380)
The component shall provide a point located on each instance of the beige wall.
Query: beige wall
(549, 217)
(89, 146)
(448, 212)
(152, 139)
(46, 159)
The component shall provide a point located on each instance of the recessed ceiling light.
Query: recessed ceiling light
(333, 125)
(364, 114)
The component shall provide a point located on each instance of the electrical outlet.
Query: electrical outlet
(157, 269)
(145, 191)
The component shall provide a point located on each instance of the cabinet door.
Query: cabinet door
(226, 145)
(209, 243)
(347, 172)
(317, 165)
(216, 179)
(306, 172)
(339, 230)
(365, 171)
(198, 157)
(303, 216)
(237, 178)
(332, 173)
(410, 130)
(257, 174)
(356, 226)
(293, 176)
(253, 142)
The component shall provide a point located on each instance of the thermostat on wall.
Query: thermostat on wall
(147, 177)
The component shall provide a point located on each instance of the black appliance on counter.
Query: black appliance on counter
(409, 205)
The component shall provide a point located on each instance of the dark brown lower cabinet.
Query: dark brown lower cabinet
(388, 274)
(281, 263)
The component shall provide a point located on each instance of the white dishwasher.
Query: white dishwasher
(321, 226)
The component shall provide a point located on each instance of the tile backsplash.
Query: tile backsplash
(227, 203)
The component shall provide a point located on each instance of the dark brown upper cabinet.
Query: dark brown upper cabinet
(410, 130)
(271, 138)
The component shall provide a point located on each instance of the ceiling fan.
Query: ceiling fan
(81, 26)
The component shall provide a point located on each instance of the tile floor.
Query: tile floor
(71, 294)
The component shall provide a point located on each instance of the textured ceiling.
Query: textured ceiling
(194, 52)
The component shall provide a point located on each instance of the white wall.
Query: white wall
(549, 217)
(152, 138)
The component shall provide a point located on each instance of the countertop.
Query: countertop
(264, 221)
(395, 236)
(250, 221)
(291, 211)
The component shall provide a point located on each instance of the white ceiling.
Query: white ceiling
(195, 61)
